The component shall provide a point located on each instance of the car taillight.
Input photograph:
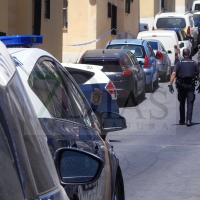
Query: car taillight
(153, 28)
(176, 50)
(146, 62)
(125, 70)
(159, 55)
(110, 87)
(188, 30)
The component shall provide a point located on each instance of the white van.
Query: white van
(168, 39)
(196, 6)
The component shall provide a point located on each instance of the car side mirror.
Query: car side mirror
(169, 51)
(181, 45)
(77, 167)
(111, 121)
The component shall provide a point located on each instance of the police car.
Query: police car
(68, 121)
(95, 85)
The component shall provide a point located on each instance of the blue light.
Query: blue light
(21, 40)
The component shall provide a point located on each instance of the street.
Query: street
(159, 158)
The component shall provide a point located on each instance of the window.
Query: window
(10, 182)
(171, 22)
(47, 9)
(128, 6)
(114, 20)
(109, 10)
(197, 7)
(37, 6)
(59, 94)
(137, 50)
(65, 9)
(154, 45)
(80, 76)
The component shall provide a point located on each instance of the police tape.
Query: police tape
(102, 36)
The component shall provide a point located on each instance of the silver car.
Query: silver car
(163, 61)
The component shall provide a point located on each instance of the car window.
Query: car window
(162, 47)
(154, 45)
(80, 76)
(60, 95)
(171, 22)
(137, 50)
(151, 53)
(197, 7)
(10, 182)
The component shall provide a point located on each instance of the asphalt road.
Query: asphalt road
(160, 159)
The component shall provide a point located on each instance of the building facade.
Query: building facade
(87, 24)
(149, 8)
(40, 17)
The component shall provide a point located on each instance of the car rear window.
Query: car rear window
(154, 45)
(171, 22)
(137, 50)
(197, 7)
(80, 76)
(108, 66)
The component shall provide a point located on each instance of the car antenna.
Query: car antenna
(79, 53)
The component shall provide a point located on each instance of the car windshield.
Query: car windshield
(171, 22)
(154, 45)
(60, 95)
(137, 50)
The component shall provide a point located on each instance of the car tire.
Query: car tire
(165, 77)
(119, 186)
(143, 94)
(150, 87)
(156, 83)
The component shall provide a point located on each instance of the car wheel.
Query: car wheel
(156, 83)
(150, 87)
(143, 94)
(119, 186)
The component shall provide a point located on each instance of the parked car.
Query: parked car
(122, 68)
(178, 20)
(196, 17)
(163, 61)
(99, 90)
(196, 5)
(27, 168)
(145, 56)
(68, 121)
(169, 40)
(184, 40)
(143, 27)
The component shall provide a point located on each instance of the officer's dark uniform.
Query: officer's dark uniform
(186, 71)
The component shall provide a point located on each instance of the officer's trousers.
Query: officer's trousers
(186, 92)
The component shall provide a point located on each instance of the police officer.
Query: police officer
(185, 71)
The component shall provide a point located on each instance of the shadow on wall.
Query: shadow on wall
(92, 2)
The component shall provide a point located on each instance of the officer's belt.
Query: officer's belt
(187, 81)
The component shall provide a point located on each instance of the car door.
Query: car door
(139, 73)
(152, 61)
(73, 123)
(194, 31)
(165, 55)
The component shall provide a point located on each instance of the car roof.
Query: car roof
(124, 41)
(28, 57)
(109, 53)
(157, 31)
(172, 29)
(152, 40)
(173, 14)
(7, 68)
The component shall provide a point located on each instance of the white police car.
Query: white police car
(95, 85)
(68, 121)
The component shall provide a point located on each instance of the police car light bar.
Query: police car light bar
(21, 40)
